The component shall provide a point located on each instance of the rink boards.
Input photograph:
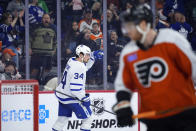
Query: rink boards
(21, 116)
(102, 121)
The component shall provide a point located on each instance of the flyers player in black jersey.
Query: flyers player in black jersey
(161, 66)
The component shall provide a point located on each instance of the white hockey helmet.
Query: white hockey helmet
(83, 49)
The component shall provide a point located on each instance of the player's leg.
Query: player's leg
(84, 113)
(86, 124)
(60, 123)
(64, 114)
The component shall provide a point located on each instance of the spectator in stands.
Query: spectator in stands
(35, 13)
(15, 6)
(77, 6)
(180, 25)
(43, 46)
(113, 3)
(159, 4)
(114, 10)
(43, 5)
(88, 21)
(6, 56)
(190, 7)
(96, 34)
(96, 10)
(10, 72)
(67, 10)
(172, 6)
(115, 46)
(51, 5)
(129, 5)
(71, 39)
(113, 22)
(84, 39)
(9, 32)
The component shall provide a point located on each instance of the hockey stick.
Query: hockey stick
(154, 113)
(83, 101)
(140, 115)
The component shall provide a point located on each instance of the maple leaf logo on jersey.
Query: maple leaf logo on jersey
(153, 69)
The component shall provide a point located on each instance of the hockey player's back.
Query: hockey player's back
(74, 78)
(73, 85)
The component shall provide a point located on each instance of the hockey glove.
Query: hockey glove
(86, 100)
(98, 54)
(123, 110)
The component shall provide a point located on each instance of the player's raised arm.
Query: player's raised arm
(95, 55)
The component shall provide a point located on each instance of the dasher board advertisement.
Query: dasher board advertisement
(102, 121)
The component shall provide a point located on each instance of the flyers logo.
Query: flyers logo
(154, 69)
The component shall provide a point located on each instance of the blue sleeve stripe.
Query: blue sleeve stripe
(76, 84)
(76, 89)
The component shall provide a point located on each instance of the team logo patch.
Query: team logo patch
(99, 103)
(154, 69)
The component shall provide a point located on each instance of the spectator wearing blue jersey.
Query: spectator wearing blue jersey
(172, 6)
(9, 32)
(15, 6)
(190, 7)
(35, 12)
(181, 25)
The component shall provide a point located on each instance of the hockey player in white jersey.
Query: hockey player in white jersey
(73, 84)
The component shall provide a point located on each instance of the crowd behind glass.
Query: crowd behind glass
(81, 23)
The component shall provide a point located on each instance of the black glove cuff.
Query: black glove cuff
(125, 112)
(123, 95)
